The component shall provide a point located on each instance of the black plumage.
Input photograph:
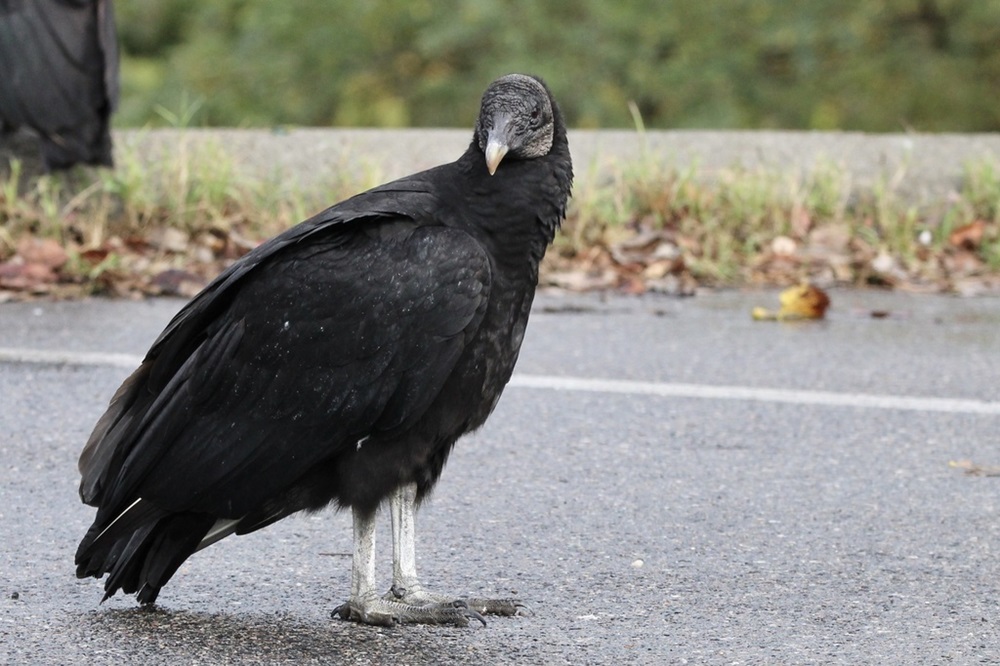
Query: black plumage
(59, 76)
(337, 362)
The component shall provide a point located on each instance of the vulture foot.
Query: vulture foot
(417, 596)
(386, 613)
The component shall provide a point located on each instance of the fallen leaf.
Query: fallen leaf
(632, 285)
(968, 236)
(214, 241)
(19, 275)
(95, 255)
(133, 243)
(44, 251)
(962, 263)
(170, 239)
(804, 301)
(662, 268)
(675, 284)
(174, 282)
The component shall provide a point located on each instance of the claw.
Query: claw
(505, 607)
(469, 613)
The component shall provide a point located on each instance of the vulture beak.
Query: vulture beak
(496, 145)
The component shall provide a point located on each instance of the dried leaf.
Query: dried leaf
(662, 268)
(213, 242)
(968, 236)
(174, 282)
(44, 251)
(632, 285)
(95, 255)
(804, 301)
(675, 284)
(962, 263)
(133, 243)
(19, 275)
(170, 239)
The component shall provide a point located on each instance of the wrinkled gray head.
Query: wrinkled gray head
(515, 119)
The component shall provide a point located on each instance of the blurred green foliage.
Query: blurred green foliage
(873, 65)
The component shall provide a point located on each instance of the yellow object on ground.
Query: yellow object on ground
(803, 301)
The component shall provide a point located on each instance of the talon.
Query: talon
(505, 607)
(463, 605)
(398, 591)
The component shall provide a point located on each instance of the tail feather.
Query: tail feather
(176, 539)
(142, 561)
(104, 542)
(124, 565)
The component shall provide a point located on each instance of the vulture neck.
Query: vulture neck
(518, 209)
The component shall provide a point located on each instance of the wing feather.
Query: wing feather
(287, 362)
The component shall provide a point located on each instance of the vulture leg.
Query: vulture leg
(406, 587)
(367, 607)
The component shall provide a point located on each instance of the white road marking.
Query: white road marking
(64, 357)
(790, 396)
(620, 386)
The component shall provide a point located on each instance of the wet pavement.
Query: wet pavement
(638, 528)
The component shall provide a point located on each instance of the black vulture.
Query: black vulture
(338, 362)
(59, 76)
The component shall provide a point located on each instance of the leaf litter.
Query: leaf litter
(673, 243)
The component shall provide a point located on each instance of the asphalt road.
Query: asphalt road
(746, 493)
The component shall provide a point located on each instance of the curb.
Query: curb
(920, 167)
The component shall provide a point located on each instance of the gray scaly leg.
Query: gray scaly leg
(406, 587)
(367, 607)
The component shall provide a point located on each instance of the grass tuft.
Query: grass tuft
(191, 209)
(732, 225)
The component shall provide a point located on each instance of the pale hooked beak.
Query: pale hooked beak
(495, 150)
(497, 143)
